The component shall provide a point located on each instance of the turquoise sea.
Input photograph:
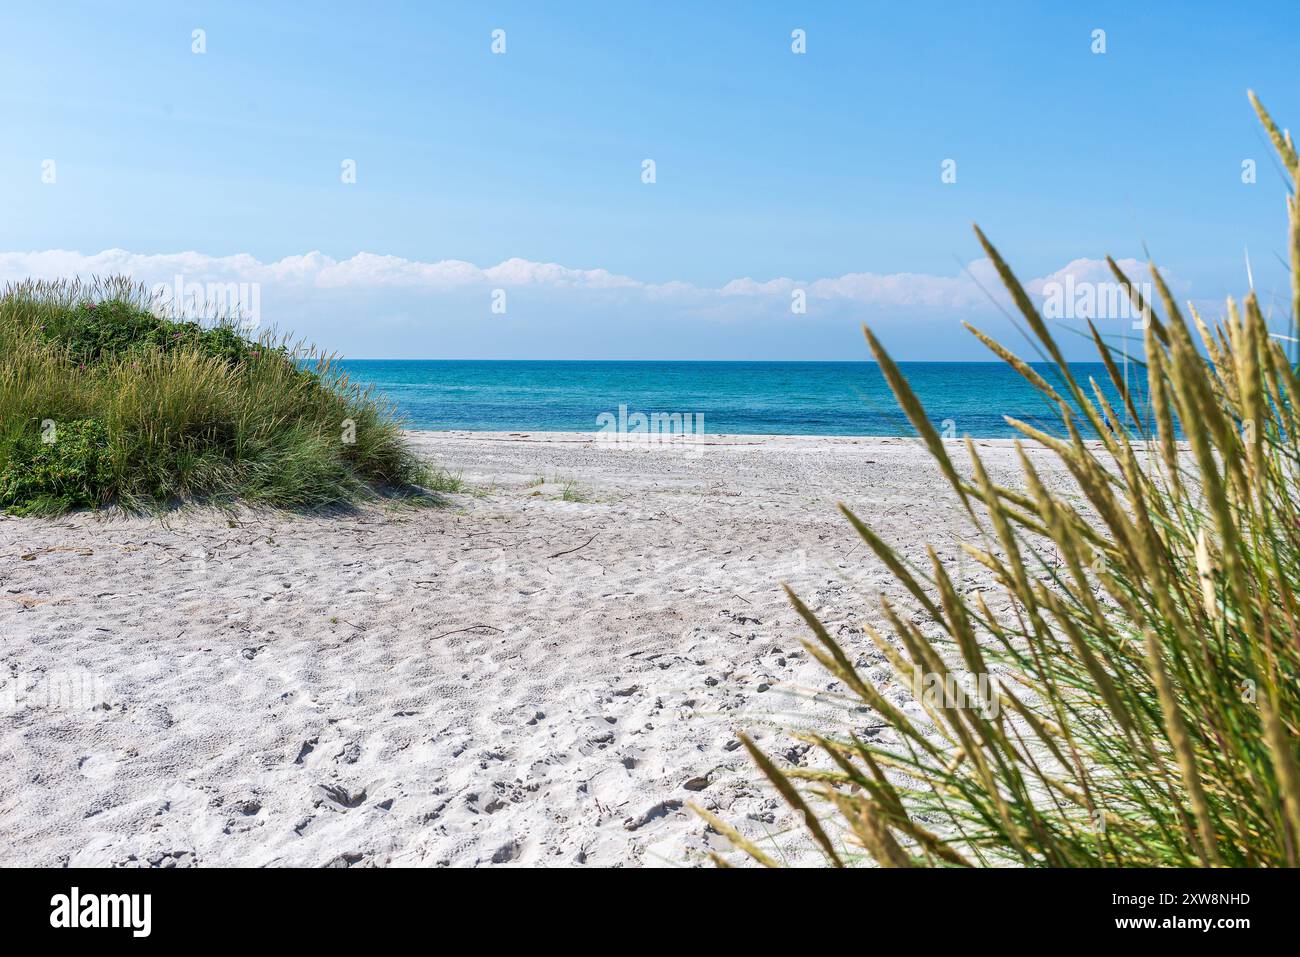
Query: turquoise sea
(766, 398)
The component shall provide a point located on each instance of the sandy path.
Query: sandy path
(513, 678)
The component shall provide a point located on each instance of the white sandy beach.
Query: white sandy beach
(515, 678)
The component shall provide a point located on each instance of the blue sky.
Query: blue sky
(789, 170)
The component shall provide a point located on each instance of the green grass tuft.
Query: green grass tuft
(104, 402)
(573, 492)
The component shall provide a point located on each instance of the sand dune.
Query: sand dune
(516, 678)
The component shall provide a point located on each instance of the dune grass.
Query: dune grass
(104, 402)
(1138, 703)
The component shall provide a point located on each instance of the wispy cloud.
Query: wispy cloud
(369, 271)
(376, 305)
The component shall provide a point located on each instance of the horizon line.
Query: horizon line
(997, 362)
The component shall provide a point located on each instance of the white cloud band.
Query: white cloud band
(371, 272)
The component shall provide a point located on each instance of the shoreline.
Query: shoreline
(708, 438)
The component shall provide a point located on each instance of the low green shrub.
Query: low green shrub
(57, 468)
(94, 331)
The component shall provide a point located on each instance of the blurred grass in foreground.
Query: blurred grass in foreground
(1137, 705)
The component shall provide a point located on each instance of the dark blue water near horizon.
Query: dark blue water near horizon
(761, 398)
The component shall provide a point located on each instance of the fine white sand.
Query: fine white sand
(514, 678)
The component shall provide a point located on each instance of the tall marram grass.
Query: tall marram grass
(101, 401)
(1145, 709)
